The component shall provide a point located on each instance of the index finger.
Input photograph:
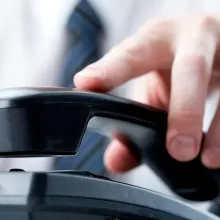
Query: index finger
(149, 49)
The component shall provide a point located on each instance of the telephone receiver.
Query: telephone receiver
(37, 122)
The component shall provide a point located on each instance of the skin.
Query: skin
(176, 66)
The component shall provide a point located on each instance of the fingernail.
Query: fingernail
(183, 148)
(211, 157)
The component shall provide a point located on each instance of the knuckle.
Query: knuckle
(127, 49)
(197, 64)
(186, 115)
(207, 22)
(130, 47)
(132, 54)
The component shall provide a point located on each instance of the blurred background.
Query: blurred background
(45, 42)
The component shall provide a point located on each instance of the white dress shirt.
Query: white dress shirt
(33, 42)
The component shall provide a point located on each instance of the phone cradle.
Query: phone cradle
(36, 122)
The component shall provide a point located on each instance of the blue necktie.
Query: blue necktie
(86, 29)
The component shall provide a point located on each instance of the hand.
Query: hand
(176, 66)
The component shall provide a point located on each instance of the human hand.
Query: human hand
(176, 62)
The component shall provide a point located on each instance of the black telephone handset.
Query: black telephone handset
(51, 121)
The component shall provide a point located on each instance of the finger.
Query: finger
(211, 152)
(147, 50)
(118, 158)
(151, 89)
(189, 86)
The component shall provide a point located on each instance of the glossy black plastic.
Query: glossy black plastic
(66, 195)
(52, 121)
